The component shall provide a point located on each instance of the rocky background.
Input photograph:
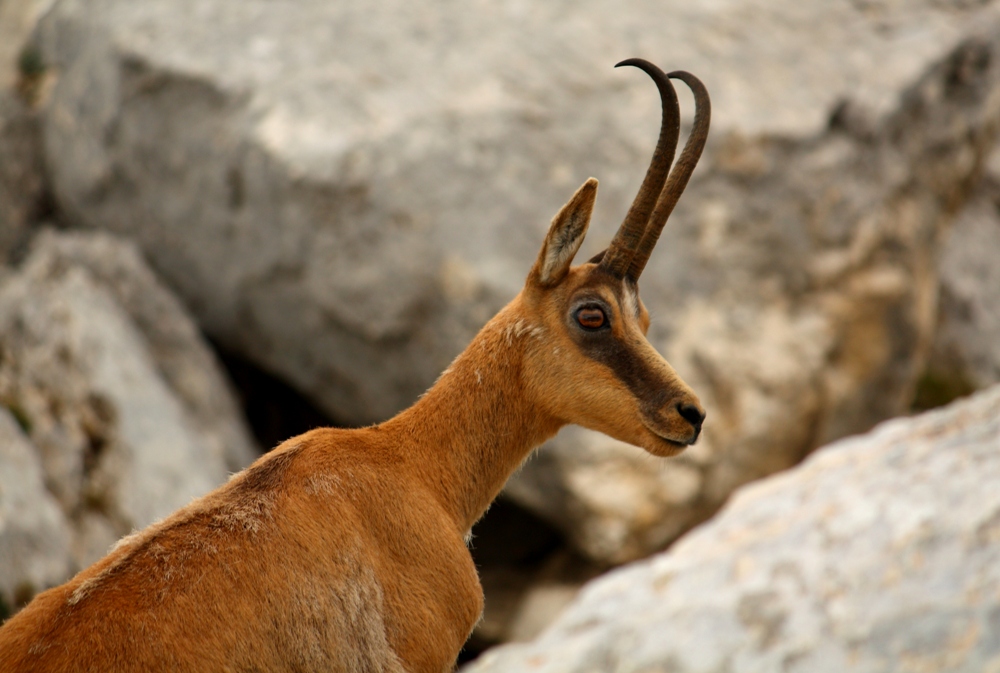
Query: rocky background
(879, 553)
(223, 222)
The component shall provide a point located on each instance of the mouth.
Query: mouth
(674, 445)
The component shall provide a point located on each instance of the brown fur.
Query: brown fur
(342, 550)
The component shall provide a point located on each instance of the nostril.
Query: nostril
(691, 414)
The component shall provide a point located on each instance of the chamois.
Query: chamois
(345, 550)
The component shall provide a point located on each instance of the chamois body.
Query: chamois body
(327, 554)
(344, 550)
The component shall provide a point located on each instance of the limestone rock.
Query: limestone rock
(34, 534)
(103, 391)
(172, 338)
(345, 193)
(880, 553)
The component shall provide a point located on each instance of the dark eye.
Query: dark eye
(591, 317)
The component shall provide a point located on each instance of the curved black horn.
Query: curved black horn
(619, 255)
(679, 175)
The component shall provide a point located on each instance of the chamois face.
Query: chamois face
(595, 367)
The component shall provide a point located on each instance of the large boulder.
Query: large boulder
(880, 553)
(126, 409)
(345, 192)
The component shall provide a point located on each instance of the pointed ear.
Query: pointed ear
(565, 235)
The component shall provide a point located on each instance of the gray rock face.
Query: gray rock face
(34, 534)
(880, 553)
(102, 368)
(345, 193)
(172, 339)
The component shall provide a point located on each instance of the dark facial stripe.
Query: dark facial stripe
(646, 383)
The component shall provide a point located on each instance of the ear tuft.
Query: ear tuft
(565, 236)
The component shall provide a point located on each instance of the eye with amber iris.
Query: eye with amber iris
(591, 318)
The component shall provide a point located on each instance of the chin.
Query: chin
(658, 445)
(664, 448)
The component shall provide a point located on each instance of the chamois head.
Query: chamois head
(601, 372)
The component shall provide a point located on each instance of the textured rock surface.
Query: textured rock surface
(34, 534)
(104, 392)
(880, 553)
(345, 194)
(172, 339)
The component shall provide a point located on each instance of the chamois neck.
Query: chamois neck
(477, 423)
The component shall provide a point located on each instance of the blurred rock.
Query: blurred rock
(22, 184)
(803, 276)
(967, 344)
(18, 19)
(34, 534)
(172, 338)
(101, 367)
(539, 607)
(880, 553)
(21, 181)
(344, 194)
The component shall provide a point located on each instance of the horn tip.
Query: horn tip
(631, 61)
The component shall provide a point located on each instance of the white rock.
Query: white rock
(119, 447)
(880, 553)
(172, 338)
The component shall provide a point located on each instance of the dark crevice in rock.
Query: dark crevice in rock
(937, 387)
(511, 535)
(515, 551)
(274, 410)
